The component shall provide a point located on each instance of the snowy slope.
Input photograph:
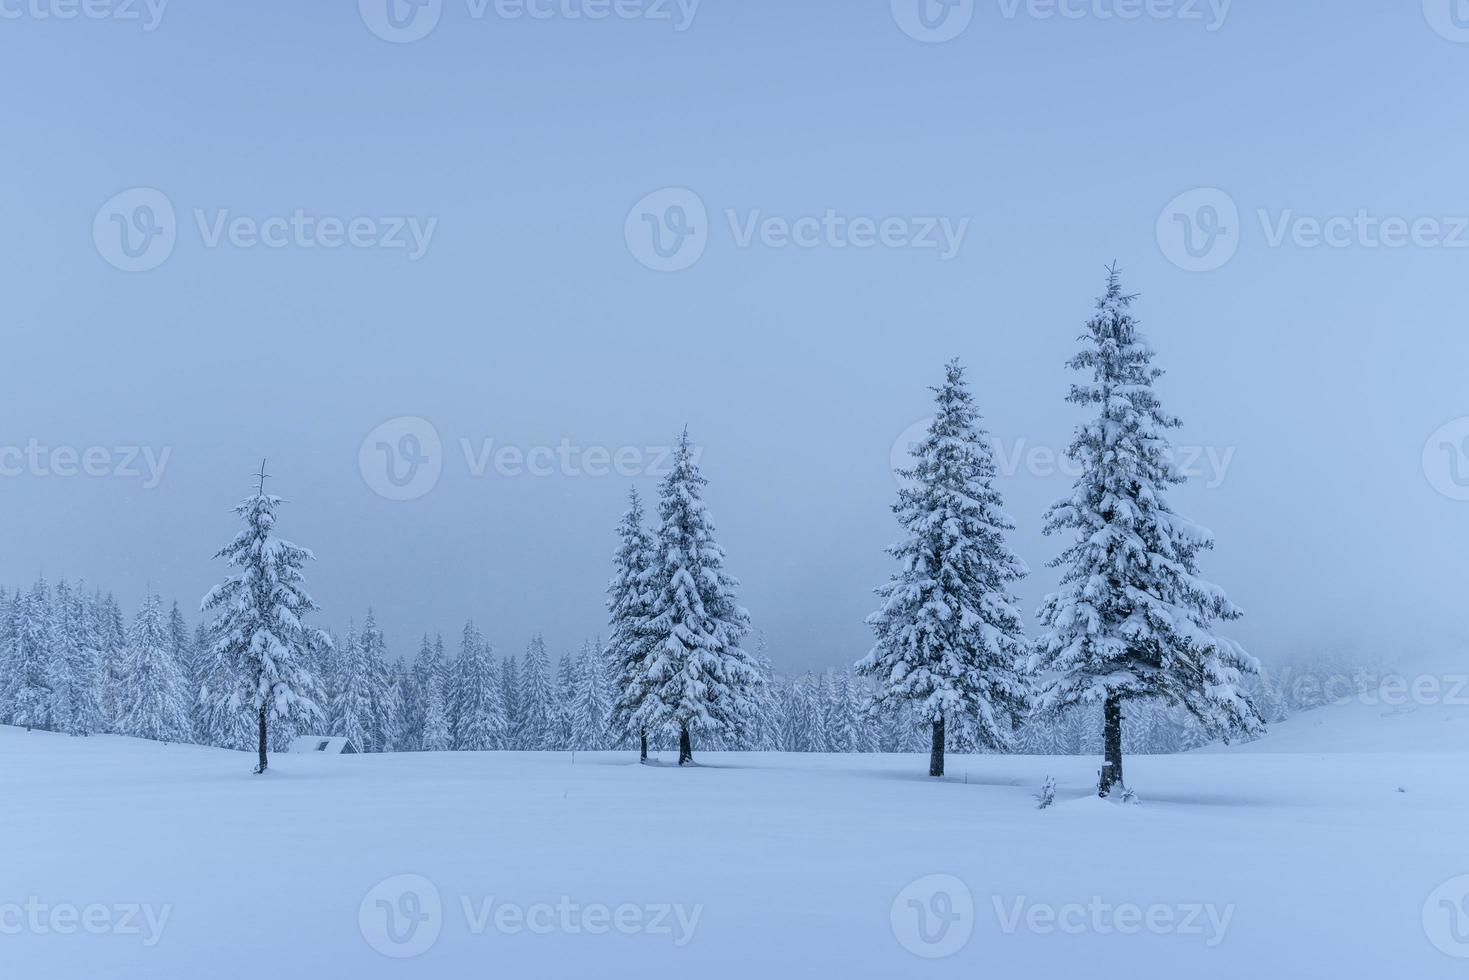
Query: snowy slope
(1420, 709)
(1300, 863)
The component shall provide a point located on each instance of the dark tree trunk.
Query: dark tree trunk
(1111, 746)
(643, 740)
(261, 768)
(685, 747)
(936, 754)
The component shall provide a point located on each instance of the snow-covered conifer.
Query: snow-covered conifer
(155, 696)
(700, 678)
(950, 638)
(590, 705)
(27, 693)
(75, 668)
(1132, 618)
(629, 603)
(538, 727)
(481, 715)
(258, 630)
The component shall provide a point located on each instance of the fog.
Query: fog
(485, 187)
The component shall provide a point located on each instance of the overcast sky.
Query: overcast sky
(506, 289)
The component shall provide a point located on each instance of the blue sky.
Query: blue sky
(1320, 372)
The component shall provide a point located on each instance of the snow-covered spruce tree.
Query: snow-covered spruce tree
(433, 688)
(113, 647)
(629, 603)
(700, 678)
(510, 698)
(481, 722)
(567, 680)
(351, 708)
(154, 696)
(75, 669)
(590, 706)
(27, 693)
(1132, 618)
(950, 639)
(258, 631)
(538, 716)
(382, 703)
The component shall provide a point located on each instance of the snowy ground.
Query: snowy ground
(1286, 856)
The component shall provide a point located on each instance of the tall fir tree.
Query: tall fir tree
(949, 636)
(700, 678)
(433, 684)
(629, 604)
(1132, 618)
(75, 667)
(538, 716)
(510, 698)
(27, 693)
(258, 628)
(481, 723)
(382, 695)
(352, 707)
(113, 639)
(590, 706)
(154, 694)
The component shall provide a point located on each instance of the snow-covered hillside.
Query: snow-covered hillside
(1281, 855)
